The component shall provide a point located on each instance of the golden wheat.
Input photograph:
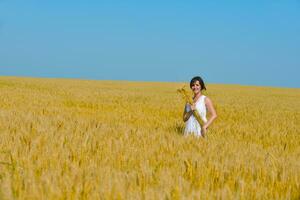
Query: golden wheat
(79, 139)
(189, 100)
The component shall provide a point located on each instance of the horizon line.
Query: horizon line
(143, 81)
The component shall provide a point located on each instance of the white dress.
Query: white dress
(191, 125)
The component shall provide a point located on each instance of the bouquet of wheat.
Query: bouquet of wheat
(188, 99)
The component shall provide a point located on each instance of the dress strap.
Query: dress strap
(201, 99)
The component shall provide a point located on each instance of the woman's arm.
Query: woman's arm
(188, 112)
(212, 111)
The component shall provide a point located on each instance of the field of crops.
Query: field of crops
(87, 139)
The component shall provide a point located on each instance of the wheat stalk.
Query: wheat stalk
(188, 99)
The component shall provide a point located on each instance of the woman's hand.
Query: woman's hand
(193, 107)
(204, 130)
(205, 127)
(188, 111)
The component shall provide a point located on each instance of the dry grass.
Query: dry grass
(77, 139)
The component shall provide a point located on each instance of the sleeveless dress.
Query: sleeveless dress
(191, 125)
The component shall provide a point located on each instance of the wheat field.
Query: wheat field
(88, 139)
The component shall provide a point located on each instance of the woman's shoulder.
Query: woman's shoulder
(207, 100)
(204, 97)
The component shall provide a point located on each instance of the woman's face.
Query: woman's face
(196, 87)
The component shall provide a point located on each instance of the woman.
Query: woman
(201, 104)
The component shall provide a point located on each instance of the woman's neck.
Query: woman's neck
(197, 95)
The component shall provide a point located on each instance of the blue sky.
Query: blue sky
(251, 43)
